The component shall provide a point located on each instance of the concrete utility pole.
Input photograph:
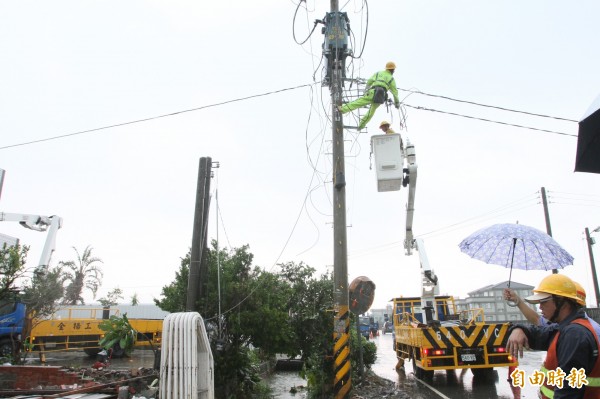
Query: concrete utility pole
(335, 51)
(547, 218)
(1, 180)
(590, 242)
(197, 276)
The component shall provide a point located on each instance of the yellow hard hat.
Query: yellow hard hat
(554, 284)
(384, 123)
(580, 293)
(390, 65)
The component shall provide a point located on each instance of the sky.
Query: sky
(108, 106)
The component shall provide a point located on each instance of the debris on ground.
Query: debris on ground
(140, 383)
(374, 386)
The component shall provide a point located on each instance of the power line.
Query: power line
(503, 210)
(488, 106)
(489, 120)
(289, 89)
(155, 117)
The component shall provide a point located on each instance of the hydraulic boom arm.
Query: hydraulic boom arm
(51, 224)
(411, 175)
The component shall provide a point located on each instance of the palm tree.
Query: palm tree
(80, 274)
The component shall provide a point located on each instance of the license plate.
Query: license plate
(468, 357)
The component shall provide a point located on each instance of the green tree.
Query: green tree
(112, 298)
(85, 272)
(134, 299)
(40, 292)
(12, 268)
(119, 335)
(287, 312)
(44, 292)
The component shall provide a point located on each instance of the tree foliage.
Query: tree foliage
(40, 292)
(287, 312)
(112, 298)
(119, 335)
(12, 268)
(44, 292)
(84, 273)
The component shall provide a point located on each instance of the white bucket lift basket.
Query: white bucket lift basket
(389, 161)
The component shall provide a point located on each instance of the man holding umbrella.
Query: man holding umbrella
(534, 318)
(572, 344)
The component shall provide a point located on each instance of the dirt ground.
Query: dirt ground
(374, 386)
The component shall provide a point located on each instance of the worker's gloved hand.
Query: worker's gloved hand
(397, 105)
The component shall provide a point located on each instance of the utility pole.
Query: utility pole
(1, 180)
(335, 51)
(197, 275)
(547, 218)
(590, 242)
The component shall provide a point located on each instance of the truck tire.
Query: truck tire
(420, 373)
(6, 348)
(117, 351)
(482, 372)
(92, 351)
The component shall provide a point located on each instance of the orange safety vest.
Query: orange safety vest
(592, 389)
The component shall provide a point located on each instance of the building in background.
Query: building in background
(495, 308)
(488, 298)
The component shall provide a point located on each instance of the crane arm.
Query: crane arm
(51, 224)
(411, 177)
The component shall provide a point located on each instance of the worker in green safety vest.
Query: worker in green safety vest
(375, 94)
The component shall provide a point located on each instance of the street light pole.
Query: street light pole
(590, 242)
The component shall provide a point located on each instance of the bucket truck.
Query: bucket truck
(13, 315)
(79, 330)
(51, 224)
(428, 330)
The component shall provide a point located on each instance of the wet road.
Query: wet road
(454, 384)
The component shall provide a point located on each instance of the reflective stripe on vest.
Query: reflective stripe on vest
(386, 85)
(593, 385)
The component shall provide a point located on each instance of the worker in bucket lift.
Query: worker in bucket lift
(571, 343)
(385, 126)
(536, 319)
(375, 94)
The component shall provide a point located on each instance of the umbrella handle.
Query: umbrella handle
(512, 304)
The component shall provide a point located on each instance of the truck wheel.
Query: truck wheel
(482, 372)
(6, 348)
(117, 351)
(92, 351)
(421, 373)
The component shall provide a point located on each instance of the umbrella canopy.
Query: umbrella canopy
(588, 141)
(516, 245)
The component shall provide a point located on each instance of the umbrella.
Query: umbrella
(516, 245)
(587, 158)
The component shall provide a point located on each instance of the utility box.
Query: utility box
(389, 161)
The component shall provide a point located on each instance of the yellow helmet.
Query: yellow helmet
(390, 65)
(554, 284)
(580, 293)
(383, 123)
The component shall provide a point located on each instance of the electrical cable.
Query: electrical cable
(364, 44)
(523, 203)
(490, 120)
(155, 117)
(577, 194)
(219, 214)
(486, 105)
(302, 209)
(294, 25)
